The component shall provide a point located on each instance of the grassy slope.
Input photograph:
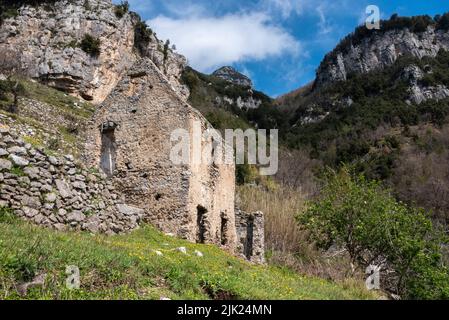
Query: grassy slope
(54, 136)
(63, 102)
(126, 267)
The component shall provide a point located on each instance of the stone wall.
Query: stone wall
(57, 192)
(194, 202)
(250, 234)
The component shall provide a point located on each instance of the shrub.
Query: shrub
(14, 89)
(166, 49)
(142, 36)
(189, 78)
(443, 22)
(374, 228)
(245, 173)
(6, 13)
(91, 45)
(5, 88)
(87, 5)
(121, 9)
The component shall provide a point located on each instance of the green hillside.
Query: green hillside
(380, 133)
(204, 90)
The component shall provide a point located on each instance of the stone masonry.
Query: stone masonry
(56, 192)
(250, 232)
(130, 137)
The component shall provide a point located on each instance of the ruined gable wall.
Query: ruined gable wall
(146, 110)
(145, 117)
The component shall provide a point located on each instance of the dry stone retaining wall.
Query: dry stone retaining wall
(57, 192)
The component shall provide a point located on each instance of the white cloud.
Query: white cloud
(323, 26)
(210, 42)
(286, 7)
(243, 69)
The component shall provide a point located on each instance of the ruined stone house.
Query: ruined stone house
(129, 139)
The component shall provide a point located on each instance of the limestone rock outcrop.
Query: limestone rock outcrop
(380, 50)
(47, 41)
(231, 75)
(418, 92)
(241, 102)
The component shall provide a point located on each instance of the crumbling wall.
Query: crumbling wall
(186, 200)
(250, 233)
(211, 194)
(57, 192)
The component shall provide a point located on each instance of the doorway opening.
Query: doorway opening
(248, 248)
(108, 148)
(224, 230)
(201, 224)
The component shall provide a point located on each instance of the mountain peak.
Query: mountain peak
(231, 75)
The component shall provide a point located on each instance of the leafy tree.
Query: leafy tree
(166, 49)
(374, 228)
(11, 68)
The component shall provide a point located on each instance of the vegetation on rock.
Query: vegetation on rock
(10, 8)
(142, 36)
(204, 90)
(121, 9)
(91, 45)
(415, 24)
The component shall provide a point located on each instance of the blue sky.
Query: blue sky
(278, 43)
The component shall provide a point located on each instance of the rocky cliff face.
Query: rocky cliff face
(418, 92)
(248, 101)
(241, 102)
(47, 42)
(380, 50)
